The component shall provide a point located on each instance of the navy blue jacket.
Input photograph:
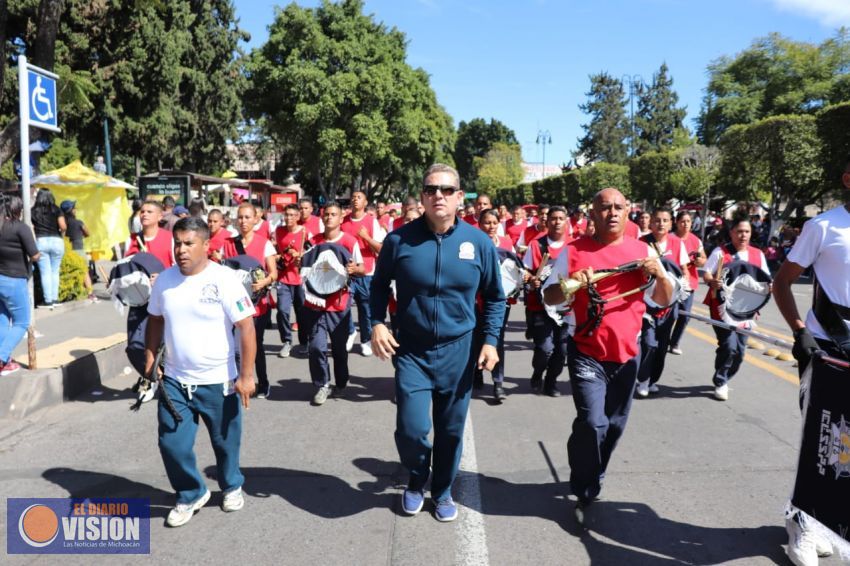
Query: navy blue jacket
(437, 279)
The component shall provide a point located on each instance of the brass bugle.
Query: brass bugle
(571, 286)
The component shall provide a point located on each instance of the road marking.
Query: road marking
(758, 362)
(472, 549)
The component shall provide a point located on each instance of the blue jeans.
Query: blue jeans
(602, 393)
(731, 347)
(222, 416)
(14, 314)
(289, 297)
(52, 249)
(359, 288)
(319, 325)
(681, 320)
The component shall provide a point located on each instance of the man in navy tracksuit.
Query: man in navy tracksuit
(439, 265)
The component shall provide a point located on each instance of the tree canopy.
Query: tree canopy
(774, 76)
(605, 135)
(500, 167)
(658, 118)
(332, 88)
(474, 139)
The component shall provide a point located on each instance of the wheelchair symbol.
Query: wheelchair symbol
(39, 101)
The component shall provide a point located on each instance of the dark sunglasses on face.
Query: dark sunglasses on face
(446, 190)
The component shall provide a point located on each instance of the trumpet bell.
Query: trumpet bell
(569, 286)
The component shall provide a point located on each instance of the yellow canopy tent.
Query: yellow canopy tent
(101, 203)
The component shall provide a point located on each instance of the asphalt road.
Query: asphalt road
(693, 481)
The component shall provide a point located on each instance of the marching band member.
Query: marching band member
(603, 351)
(658, 323)
(731, 345)
(516, 225)
(549, 336)
(331, 319)
(536, 230)
(253, 243)
(824, 245)
(309, 220)
(439, 264)
(489, 222)
(369, 234)
(157, 242)
(482, 203)
(290, 238)
(218, 234)
(696, 256)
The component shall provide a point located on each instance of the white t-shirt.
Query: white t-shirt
(825, 244)
(200, 311)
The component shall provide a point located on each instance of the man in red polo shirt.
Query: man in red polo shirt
(218, 235)
(309, 220)
(516, 224)
(290, 239)
(603, 351)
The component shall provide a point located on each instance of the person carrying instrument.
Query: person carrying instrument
(440, 264)
(549, 335)
(696, 259)
(290, 240)
(658, 323)
(489, 223)
(156, 241)
(535, 230)
(366, 229)
(195, 306)
(731, 345)
(252, 243)
(824, 244)
(603, 351)
(331, 318)
(218, 234)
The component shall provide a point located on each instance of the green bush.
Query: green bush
(72, 275)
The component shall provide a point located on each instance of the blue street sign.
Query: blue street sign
(42, 100)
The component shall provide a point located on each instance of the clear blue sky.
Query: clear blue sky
(527, 62)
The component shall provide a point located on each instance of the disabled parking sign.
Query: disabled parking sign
(42, 100)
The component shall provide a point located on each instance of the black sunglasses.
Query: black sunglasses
(446, 190)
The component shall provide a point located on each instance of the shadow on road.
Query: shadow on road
(359, 389)
(325, 495)
(83, 484)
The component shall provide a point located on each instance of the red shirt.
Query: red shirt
(616, 338)
(533, 300)
(339, 301)
(217, 241)
(632, 230)
(312, 224)
(532, 233)
(255, 249)
(263, 230)
(384, 221)
(286, 241)
(692, 244)
(470, 219)
(514, 230)
(578, 227)
(161, 247)
(351, 226)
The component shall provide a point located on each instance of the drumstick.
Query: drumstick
(543, 261)
(717, 275)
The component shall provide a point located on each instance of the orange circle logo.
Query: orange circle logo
(38, 525)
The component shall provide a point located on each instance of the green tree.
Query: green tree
(332, 89)
(474, 139)
(605, 134)
(651, 177)
(778, 158)
(602, 176)
(834, 133)
(657, 119)
(500, 167)
(774, 76)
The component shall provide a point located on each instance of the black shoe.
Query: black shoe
(552, 391)
(499, 392)
(478, 381)
(536, 384)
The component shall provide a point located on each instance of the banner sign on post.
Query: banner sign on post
(158, 188)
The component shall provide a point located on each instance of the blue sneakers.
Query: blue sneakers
(412, 501)
(445, 510)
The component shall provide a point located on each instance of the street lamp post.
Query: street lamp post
(544, 137)
(633, 80)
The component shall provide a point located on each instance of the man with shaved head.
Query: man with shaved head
(603, 352)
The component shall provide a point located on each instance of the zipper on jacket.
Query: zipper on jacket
(437, 275)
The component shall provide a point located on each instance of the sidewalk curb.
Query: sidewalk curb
(25, 392)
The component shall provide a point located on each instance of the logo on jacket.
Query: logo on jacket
(467, 251)
(834, 449)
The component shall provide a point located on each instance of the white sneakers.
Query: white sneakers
(804, 545)
(349, 344)
(366, 349)
(642, 389)
(234, 500)
(721, 392)
(322, 394)
(184, 512)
